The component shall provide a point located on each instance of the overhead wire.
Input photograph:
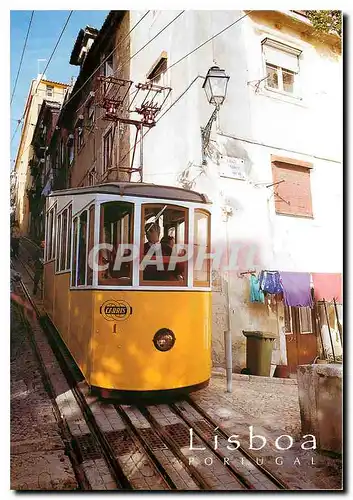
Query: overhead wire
(179, 61)
(173, 65)
(51, 56)
(188, 87)
(21, 60)
(53, 52)
(128, 60)
(103, 62)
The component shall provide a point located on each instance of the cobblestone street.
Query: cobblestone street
(38, 460)
(271, 406)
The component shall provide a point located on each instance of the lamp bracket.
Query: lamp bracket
(206, 133)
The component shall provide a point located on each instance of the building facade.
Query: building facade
(271, 163)
(95, 146)
(274, 160)
(40, 89)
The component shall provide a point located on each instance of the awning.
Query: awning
(327, 286)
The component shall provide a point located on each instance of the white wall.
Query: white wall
(251, 126)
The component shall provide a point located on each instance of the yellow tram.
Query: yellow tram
(127, 284)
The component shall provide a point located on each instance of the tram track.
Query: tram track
(147, 446)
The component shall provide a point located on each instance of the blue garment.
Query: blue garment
(270, 282)
(256, 294)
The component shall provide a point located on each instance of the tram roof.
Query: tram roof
(138, 189)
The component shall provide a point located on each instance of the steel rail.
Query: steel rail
(63, 426)
(71, 375)
(201, 481)
(279, 483)
(135, 431)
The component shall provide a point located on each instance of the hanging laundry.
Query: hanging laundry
(256, 294)
(270, 282)
(327, 286)
(296, 289)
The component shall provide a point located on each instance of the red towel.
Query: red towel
(328, 286)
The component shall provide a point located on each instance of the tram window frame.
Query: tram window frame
(82, 255)
(199, 282)
(90, 243)
(169, 206)
(103, 278)
(50, 239)
(75, 224)
(63, 241)
(58, 242)
(69, 238)
(54, 235)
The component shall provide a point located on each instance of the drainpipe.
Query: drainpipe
(227, 211)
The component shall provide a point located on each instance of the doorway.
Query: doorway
(301, 336)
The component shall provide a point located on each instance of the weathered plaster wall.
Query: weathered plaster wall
(251, 126)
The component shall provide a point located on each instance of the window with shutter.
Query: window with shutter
(292, 191)
(282, 65)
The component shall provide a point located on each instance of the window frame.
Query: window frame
(200, 283)
(80, 135)
(284, 48)
(107, 133)
(107, 64)
(63, 262)
(155, 284)
(90, 114)
(51, 88)
(295, 320)
(154, 72)
(50, 234)
(70, 144)
(90, 242)
(58, 241)
(83, 254)
(113, 281)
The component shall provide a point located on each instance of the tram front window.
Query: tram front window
(116, 230)
(163, 245)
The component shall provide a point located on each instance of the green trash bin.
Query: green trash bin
(259, 347)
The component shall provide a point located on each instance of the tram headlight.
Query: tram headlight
(164, 339)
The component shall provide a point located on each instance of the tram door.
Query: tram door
(301, 339)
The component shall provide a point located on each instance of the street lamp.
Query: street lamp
(215, 87)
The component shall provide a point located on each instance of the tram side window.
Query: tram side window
(62, 249)
(68, 251)
(90, 244)
(46, 248)
(164, 241)
(63, 242)
(201, 248)
(53, 237)
(58, 241)
(74, 252)
(50, 235)
(82, 248)
(116, 229)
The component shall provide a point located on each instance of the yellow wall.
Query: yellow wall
(24, 153)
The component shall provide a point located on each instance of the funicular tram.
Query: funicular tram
(129, 326)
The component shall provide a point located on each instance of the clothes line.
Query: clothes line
(297, 287)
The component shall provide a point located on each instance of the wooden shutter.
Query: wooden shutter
(293, 195)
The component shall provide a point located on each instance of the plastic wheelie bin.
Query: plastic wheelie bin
(259, 347)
